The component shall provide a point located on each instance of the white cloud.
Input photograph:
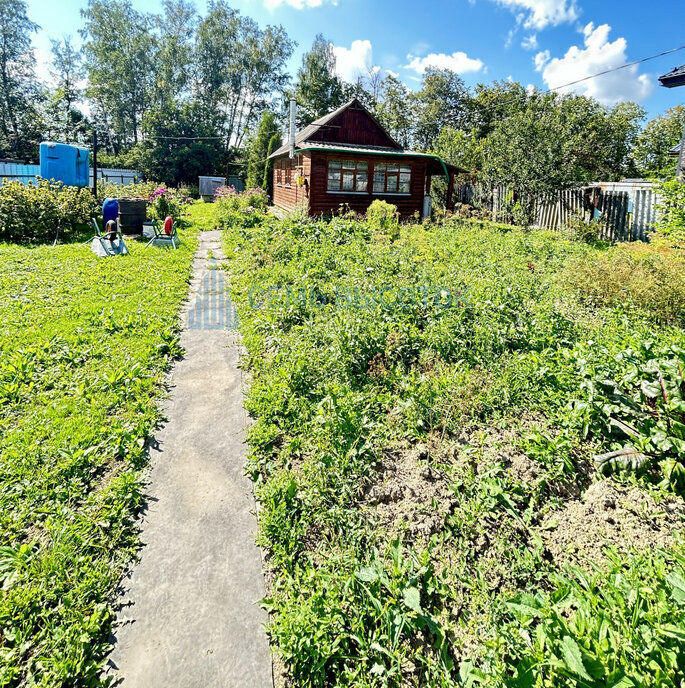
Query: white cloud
(458, 62)
(297, 4)
(598, 55)
(355, 61)
(538, 14)
(530, 42)
(541, 59)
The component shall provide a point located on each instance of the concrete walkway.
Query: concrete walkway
(190, 615)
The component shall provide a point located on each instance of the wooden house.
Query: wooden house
(347, 158)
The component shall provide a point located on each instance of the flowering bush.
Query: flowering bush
(165, 202)
(32, 212)
(244, 209)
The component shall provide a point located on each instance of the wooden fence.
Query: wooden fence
(625, 211)
(29, 173)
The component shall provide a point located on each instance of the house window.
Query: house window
(348, 175)
(389, 177)
(279, 173)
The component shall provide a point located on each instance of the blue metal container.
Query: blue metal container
(65, 163)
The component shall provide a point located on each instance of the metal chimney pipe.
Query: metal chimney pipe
(293, 114)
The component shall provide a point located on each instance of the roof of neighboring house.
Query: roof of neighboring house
(676, 77)
(675, 151)
(302, 142)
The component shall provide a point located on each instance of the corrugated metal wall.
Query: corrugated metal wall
(27, 173)
(626, 211)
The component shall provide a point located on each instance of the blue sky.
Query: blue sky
(545, 43)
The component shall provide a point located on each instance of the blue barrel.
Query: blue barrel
(110, 211)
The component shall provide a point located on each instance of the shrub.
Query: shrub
(167, 202)
(244, 209)
(649, 277)
(135, 190)
(577, 228)
(33, 212)
(383, 217)
(671, 207)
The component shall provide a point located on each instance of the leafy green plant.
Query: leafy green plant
(671, 207)
(443, 430)
(641, 411)
(383, 217)
(649, 278)
(578, 228)
(83, 355)
(241, 209)
(621, 627)
(33, 212)
(167, 203)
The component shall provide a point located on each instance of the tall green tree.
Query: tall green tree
(621, 127)
(557, 142)
(491, 104)
(653, 143)
(265, 140)
(318, 89)
(19, 129)
(177, 146)
(461, 148)
(443, 101)
(67, 70)
(395, 110)
(536, 151)
(120, 59)
(239, 68)
(176, 29)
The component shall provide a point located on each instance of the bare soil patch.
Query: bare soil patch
(609, 514)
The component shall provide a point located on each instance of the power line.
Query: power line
(615, 69)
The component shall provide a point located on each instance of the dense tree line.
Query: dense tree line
(177, 94)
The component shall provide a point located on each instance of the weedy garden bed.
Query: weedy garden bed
(84, 346)
(427, 411)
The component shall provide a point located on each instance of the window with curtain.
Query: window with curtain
(348, 175)
(390, 177)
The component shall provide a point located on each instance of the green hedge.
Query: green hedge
(33, 212)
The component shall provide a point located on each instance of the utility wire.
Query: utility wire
(615, 69)
(499, 104)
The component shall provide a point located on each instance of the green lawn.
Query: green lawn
(425, 471)
(84, 346)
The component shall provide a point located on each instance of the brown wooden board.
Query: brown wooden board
(322, 201)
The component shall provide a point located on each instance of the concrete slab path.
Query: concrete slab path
(190, 615)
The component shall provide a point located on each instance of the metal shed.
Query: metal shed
(209, 185)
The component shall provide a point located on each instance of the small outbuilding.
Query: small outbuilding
(347, 158)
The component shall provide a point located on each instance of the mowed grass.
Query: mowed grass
(424, 468)
(84, 346)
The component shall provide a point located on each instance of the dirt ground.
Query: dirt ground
(609, 514)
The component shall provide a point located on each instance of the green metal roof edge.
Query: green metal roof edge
(402, 153)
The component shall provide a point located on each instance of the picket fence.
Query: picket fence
(29, 173)
(626, 211)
